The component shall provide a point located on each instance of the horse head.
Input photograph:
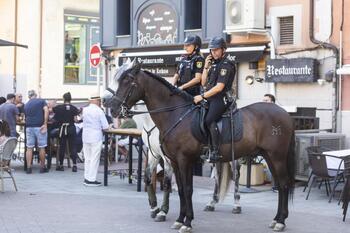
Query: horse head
(124, 89)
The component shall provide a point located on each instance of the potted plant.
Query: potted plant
(257, 171)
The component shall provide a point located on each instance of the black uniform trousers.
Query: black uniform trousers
(69, 138)
(217, 107)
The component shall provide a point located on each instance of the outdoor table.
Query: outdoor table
(132, 133)
(334, 160)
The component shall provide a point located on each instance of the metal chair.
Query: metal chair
(345, 196)
(6, 152)
(315, 149)
(319, 170)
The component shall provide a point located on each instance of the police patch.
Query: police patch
(199, 64)
(223, 72)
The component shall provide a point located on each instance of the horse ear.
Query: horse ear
(136, 66)
(131, 64)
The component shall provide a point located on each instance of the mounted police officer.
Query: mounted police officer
(190, 69)
(218, 75)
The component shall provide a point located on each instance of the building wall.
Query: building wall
(53, 48)
(276, 6)
(6, 53)
(335, 39)
(52, 85)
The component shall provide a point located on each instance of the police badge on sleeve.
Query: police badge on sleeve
(199, 64)
(223, 72)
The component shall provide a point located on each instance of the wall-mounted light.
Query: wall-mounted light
(321, 81)
(329, 75)
(249, 79)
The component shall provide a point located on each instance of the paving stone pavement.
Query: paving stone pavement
(58, 202)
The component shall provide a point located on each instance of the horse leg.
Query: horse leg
(187, 184)
(281, 177)
(180, 220)
(215, 198)
(152, 198)
(168, 173)
(237, 209)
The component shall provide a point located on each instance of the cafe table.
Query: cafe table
(131, 133)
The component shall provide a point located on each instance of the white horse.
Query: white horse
(222, 173)
(150, 137)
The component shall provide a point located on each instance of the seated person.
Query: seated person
(4, 131)
(123, 142)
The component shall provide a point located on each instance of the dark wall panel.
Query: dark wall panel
(108, 23)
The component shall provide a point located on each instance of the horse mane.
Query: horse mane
(174, 90)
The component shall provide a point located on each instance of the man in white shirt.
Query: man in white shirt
(94, 121)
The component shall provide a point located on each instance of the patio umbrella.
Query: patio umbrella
(9, 43)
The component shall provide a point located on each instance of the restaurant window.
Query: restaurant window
(80, 32)
(193, 14)
(286, 30)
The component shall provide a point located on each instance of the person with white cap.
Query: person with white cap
(94, 121)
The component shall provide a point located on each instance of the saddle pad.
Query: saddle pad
(224, 123)
(224, 126)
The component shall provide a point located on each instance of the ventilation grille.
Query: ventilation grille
(286, 30)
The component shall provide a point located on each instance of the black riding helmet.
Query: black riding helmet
(217, 43)
(195, 40)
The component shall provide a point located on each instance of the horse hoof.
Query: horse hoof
(161, 217)
(237, 210)
(273, 224)
(209, 208)
(185, 229)
(154, 212)
(177, 225)
(279, 227)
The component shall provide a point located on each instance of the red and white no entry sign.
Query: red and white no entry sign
(95, 55)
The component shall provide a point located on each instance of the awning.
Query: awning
(344, 70)
(9, 43)
(171, 57)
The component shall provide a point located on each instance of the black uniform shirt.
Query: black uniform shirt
(65, 113)
(222, 71)
(188, 67)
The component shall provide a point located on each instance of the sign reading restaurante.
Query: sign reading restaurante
(293, 70)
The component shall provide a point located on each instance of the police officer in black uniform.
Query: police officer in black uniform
(65, 115)
(219, 73)
(190, 69)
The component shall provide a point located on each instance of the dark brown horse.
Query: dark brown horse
(268, 130)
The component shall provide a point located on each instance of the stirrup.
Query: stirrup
(213, 156)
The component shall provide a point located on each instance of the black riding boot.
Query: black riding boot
(214, 143)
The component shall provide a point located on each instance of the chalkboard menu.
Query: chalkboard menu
(157, 25)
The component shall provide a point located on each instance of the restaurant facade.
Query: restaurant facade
(278, 48)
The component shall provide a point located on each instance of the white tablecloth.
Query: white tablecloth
(333, 163)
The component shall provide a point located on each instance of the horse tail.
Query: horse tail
(291, 165)
(225, 178)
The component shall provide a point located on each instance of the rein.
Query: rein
(149, 142)
(158, 110)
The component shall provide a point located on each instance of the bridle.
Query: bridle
(125, 109)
